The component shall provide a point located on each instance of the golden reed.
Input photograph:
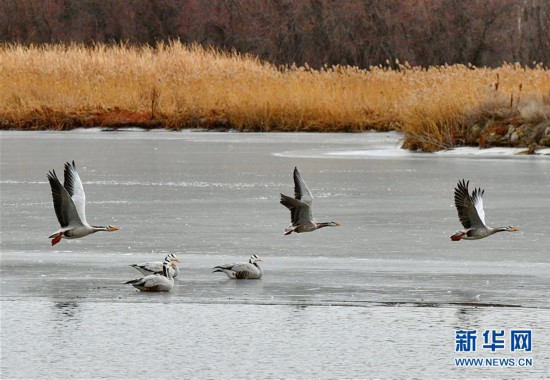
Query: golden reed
(178, 86)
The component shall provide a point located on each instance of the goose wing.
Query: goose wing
(242, 270)
(63, 204)
(300, 212)
(74, 187)
(148, 268)
(301, 191)
(470, 208)
(149, 281)
(155, 280)
(241, 267)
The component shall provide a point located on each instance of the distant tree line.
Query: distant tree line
(317, 32)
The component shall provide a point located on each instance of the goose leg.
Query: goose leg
(458, 236)
(57, 238)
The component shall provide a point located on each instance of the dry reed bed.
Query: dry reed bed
(178, 86)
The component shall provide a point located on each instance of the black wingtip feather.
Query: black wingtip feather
(69, 177)
(460, 196)
(287, 201)
(51, 174)
(57, 189)
(297, 186)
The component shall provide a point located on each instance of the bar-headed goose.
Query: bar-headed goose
(156, 266)
(155, 282)
(69, 202)
(241, 271)
(471, 214)
(300, 208)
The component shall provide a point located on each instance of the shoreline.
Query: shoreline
(389, 149)
(505, 133)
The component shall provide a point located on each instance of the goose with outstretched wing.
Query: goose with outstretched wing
(300, 208)
(471, 214)
(69, 201)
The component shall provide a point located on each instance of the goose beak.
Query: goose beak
(113, 228)
(514, 229)
(338, 224)
(177, 260)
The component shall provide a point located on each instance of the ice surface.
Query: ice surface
(380, 296)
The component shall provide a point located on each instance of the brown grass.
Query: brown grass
(177, 86)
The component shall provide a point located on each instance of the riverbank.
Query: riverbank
(175, 86)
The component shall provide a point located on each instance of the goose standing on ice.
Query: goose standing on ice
(241, 271)
(300, 208)
(69, 202)
(155, 282)
(156, 266)
(471, 214)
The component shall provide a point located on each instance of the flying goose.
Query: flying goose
(300, 208)
(240, 271)
(156, 266)
(155, 282)
(472, 215)
(69, 202)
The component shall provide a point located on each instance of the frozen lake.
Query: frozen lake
(380, 296)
